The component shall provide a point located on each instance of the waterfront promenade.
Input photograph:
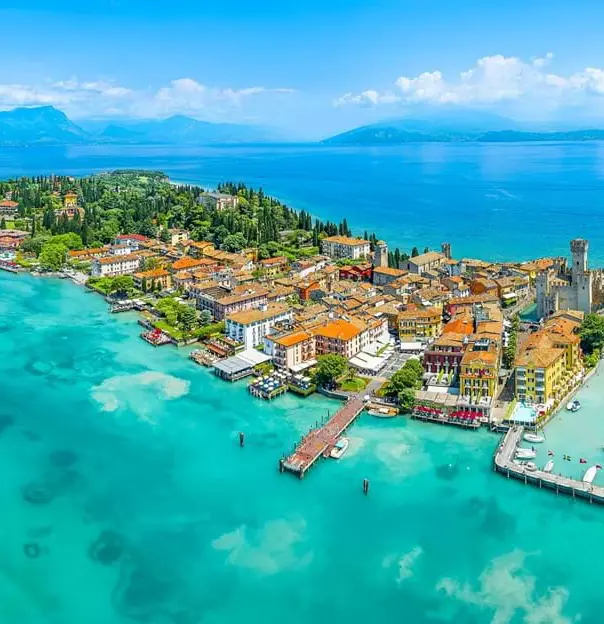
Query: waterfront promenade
(504, 464)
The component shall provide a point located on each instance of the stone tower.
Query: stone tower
(380, 258)
(446, 250)
(581, 277)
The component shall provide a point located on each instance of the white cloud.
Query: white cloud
(509, 594)
(493, 79)
(82, 98)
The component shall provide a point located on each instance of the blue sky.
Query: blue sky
(312, 67)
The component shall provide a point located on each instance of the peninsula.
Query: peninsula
(302, 305)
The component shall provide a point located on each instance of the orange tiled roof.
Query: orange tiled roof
(338, 329)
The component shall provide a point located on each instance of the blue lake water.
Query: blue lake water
(111, 437)
(502, 201)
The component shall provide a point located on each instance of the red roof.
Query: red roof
(7, 203)
(137, 237)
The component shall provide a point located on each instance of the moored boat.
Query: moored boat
(535, 438)
(530, 466)
(573, 406)
(549, 466)
(522, 453)
(340, 447)
(383, 412)
(590, 474)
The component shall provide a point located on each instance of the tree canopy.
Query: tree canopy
(592, 333)
(329, 368)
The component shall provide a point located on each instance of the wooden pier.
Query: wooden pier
(318, 442)
(503, 463)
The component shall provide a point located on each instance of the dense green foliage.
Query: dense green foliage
(329, 368)
(409, 377)
(144, 202)
(592, 334)
(509, 353)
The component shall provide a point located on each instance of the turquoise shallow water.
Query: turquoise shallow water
(213, 533)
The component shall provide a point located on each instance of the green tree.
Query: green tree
(3, 224)
(205, 317)
(70, 240)
(414, 252)
(406, 399)
(122, 284)
(34, 245)
(234, 242)
(52, 256)
(407, 378)
(164, 236)
(592, 333)
(187, 317)
(329, 368)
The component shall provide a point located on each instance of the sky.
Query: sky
(308, 67)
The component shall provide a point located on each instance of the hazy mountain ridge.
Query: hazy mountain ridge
(48, 125)
(458, 129)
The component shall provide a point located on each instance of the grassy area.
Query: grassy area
(381, 391)
(353, 385)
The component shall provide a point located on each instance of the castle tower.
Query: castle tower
(380, 258)
(581, 277)
(446, 250)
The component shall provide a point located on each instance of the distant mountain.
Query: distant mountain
(46, 124)
(462, 128)
(43, 124)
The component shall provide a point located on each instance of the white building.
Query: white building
(251, 326)
(345, 247)
(115, 265)
(218, 201)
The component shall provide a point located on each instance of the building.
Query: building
(187, 263)
(176, 236)
(84, 255)
(294, 351)
(386, 275)
(273, 266)
(10, 240)
(221, 301)
(155, 279)
(218, 201)
(8, 208)
(380, 255)
(345, 247)
(115, 265)
(479, 375)
(251, 326)
(424, 262)
(356, 272)
(419, 324)
(348, 337)
(563, 288)
(445, 354)
(134, 241)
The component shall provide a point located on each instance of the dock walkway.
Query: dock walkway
(318, 442)
(503, 463)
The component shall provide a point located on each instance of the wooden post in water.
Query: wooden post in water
(241, 439)
(365, 486)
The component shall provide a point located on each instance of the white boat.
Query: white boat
(549, 466)
(530, 466)
(573, 406)
(340, 447)
(525, 454)
(590, 474)
(535, 438)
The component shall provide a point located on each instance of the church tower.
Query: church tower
(446, 250)
(380, 257)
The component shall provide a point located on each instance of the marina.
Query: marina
(319, 442)
(505, 465)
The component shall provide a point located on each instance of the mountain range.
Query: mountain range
(47, 125)
(462, 127)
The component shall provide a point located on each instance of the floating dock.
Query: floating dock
(318, 442)
(503, 463)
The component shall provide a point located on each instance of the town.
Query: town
(453, 341)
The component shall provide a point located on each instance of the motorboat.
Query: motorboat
(534, 438)
(549, 466)
(573, 406)
(530, 466)
(590, 474)
(383, 412)
(339, 448)
(522, 453)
